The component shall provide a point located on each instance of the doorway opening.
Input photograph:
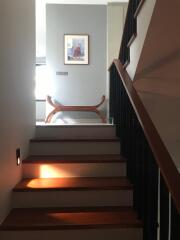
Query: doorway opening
(69, 82)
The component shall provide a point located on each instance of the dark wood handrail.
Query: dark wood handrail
(167, 167)
(130, 30)
(140, 4)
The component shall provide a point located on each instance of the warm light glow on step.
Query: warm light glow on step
(47, 171)
(44, 183)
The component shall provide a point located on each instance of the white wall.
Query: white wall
(40, 110)
(143, 21)
(17, 117)
(41, 19)
(85, 84)
(40, 29)
(116, 14)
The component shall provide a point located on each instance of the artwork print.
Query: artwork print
(76, 49)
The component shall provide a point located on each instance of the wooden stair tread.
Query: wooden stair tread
(45, 139)
(101, 158)
(77, 218)
(77, 183)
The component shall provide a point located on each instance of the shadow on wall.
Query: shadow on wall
(172, 57)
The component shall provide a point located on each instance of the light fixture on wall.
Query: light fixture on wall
(18, 156)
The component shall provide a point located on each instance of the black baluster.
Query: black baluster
(175, 222)
(164, 210)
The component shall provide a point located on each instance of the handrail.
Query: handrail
(140, 3)
(167, 167)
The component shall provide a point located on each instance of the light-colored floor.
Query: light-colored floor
(71, 121)
(69, 124)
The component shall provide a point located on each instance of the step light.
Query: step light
(18, 156)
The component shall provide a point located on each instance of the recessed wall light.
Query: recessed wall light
(18, 156)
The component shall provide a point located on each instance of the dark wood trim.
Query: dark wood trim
(131, 39)
(112, 63)
(61, 161)
(40, 100)
(124, 32)
(139, 8)
(125, 43)
(71, 227)
(73, 184)
(126, 64)
(167, 167)
(76, 209)
(109, 158)
(40, 218)
(74, 140)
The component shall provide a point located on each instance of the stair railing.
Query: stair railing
(150, 168)
(130, 30)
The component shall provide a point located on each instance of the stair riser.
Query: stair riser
(74, 170)
(72, 198)
(88, 234)
(64, 148)
(65, 132)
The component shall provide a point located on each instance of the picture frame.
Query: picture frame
(76, 49)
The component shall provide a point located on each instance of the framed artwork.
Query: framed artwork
(76, 49)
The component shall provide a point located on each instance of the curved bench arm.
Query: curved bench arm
(58, 107)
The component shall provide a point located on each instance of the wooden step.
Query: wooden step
(74, 166)
(71, 218)
(90, 158)
(55, 146)
(41, 184)
(121, 233)
(76, 131)
(74, 192)
(48, 139)
(105, 223)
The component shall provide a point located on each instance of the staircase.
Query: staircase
(74, 186)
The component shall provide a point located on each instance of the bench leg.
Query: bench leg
(50, 115)
(103, 119)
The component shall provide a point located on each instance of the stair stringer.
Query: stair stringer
(157, 74)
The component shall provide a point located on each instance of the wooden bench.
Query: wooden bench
(58, 107)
